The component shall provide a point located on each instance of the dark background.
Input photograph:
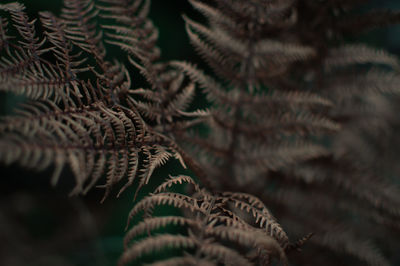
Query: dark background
(41, 225)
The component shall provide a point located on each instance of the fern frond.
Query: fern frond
(257, 126)
(344, 242)
(24, 27)
(92, 140)
(155, 243)
(359, 54)
(264, 219)
(23, 69)
(166, 106)
(172, 199)
(152, 224)
(4, 38)
(55, 32)
(169, 95)
(223, 254)
(213, 14)
(80, 28)
(374, 82)
(131, 30)
(219, 39)
(250, 238)
(175, 180)
(210, 224)
(207, 83)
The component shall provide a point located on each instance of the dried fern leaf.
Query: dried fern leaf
(155, 243)
(211, 224)
(359, 54)
(92, 140)
(345, 242)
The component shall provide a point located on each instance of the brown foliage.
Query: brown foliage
(294, 124)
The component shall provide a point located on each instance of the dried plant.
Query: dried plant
(294, 122)
(299, 115)
(228, 228)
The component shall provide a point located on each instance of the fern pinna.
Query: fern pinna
(293, 123)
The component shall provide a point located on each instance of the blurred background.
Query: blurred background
(41, 225)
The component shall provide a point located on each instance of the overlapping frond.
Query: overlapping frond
(257, 124)
(170, 94)
(55, 31)
(292, 109)
(131, 30)
(266, 58)
(81, 27)
(93, 140)
(23, 67)
(359, 81)
(167, 104)
(210, 220)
